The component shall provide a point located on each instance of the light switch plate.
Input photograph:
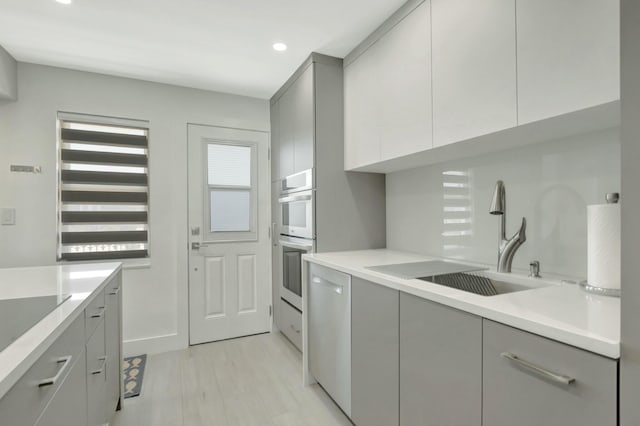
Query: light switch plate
(7, 216)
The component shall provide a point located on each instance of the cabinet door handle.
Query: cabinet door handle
(66, 360)
(104, 364)
(114, 291)
(540, 371)
(100, 314)
(293, 198)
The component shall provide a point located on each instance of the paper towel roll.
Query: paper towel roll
(603, 246)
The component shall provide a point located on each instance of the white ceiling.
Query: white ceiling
(222, 45)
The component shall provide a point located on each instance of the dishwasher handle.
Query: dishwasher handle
(335, 287)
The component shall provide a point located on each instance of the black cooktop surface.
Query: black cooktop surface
(17, 316)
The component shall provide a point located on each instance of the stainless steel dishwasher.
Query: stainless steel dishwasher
(329, 329)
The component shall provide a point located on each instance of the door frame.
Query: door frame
(270, 235)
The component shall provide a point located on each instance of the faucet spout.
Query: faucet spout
(507, 247)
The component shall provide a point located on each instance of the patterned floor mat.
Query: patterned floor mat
(133, 374)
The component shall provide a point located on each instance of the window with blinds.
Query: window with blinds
(103, 188)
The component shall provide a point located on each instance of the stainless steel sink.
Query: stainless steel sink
(481, 283)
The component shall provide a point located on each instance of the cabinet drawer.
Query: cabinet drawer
(28, 397)
(529, 380)
(65, 406)
(291, 323)
(112, 290)
(94, 313)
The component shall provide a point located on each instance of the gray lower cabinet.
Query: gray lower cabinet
(25, 401)
(113, 342)
(374, 354)
(96, 377)
(78, 379)
(290, 323)
(521, 384)
(440, 365)
(72, 393)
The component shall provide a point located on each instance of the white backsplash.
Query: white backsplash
(443, 210)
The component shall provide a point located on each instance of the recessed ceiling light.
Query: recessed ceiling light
(279, 47)
(64, 1)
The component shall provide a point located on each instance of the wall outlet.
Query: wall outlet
(26, 169)
(7, 216)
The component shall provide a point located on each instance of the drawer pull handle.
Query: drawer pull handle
(99, 314)
(294, 329)
(114, 291)
(555, 377)
(52, 380)
(104, 364)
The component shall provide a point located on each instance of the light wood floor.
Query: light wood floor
(254, 380)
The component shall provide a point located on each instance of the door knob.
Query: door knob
(195, 246)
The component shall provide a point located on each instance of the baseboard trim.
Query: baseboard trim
(154, 345)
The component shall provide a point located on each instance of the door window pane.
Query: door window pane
(230, 210)
(229, 165)
(292, 260)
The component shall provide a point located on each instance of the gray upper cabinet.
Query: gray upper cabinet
(388, 93)
(374, 354)
(440, 365)
(310, 134)
(302, 91)
(295, 130)
(275, 143)
(438, 72)
(532, 381)
(8, 76)
(568, 56)
(474, 68)
(285, 145)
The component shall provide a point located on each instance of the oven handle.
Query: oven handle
(293, 198)
(292, 244)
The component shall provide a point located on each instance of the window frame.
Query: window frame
(230, 236)
(90, 119)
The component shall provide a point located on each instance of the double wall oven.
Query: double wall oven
(297, 232)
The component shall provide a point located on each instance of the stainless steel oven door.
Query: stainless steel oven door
(301, 181)
(297, 215)
(292, 251)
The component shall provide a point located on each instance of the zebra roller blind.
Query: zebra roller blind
(103, 188)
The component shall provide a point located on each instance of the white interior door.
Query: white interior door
(229, 220)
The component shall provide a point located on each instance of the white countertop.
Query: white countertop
(559, 311)
(81, 281)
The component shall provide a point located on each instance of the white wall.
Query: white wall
(155, 298)
(550, 184)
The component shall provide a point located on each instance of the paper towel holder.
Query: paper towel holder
(612, 198)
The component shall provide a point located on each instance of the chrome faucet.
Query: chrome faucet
(507, 248)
